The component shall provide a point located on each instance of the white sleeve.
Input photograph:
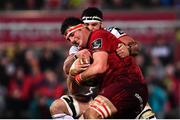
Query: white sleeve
(73, 50)
(116, 31)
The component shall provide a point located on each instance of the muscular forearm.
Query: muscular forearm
(72, 86)
(68, 62)
(90, 73)
(82, 54)
(98, 67)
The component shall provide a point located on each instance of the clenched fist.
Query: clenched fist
(84, 56)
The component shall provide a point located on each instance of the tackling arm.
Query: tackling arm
(98, 67)
(84, 55)
(68, 62)
(131, 44)
(72, 85)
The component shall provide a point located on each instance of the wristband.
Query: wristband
(78, 78)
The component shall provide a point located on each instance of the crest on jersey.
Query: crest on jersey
(97, 43)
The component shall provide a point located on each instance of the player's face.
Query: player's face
(93, 25)
(78, 38)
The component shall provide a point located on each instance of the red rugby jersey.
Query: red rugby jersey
(123, 71)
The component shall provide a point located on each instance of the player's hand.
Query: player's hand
(122, 50)
(84, 56)
(78, 66)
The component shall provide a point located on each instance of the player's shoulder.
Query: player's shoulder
(100, 32)
(118, 32)
(113, 28)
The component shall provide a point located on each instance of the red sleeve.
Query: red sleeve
(99, 41)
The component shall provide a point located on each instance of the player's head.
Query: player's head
(69, 22)
(75, 31)
(92, 17)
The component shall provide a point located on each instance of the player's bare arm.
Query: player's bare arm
(68, 62)
(79, 66)
(71, 85)
(84, 55)
(130, 47)
(98, 67)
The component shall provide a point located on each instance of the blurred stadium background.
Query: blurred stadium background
(32, 51)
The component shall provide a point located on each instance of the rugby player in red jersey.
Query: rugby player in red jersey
(123, 91)
(92, 17)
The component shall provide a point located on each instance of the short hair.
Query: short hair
(92, 13)
(68, 22)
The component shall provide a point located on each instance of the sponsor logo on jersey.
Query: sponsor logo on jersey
(97, 43)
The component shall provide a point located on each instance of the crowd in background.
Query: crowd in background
(79, 4)
(32, 77)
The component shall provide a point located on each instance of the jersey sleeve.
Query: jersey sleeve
(100, 41)
(116, 31)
